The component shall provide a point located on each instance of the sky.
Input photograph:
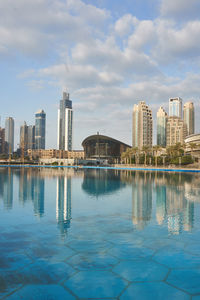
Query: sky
(108, 54)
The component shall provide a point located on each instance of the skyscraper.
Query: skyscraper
(2, 141)
(24, 137)
(188, 117)
(40, 124)
(9, 134)
(176, 131)
(161, 127)
(65, 123)
(142, 129)
(175, 107)
(31, 137)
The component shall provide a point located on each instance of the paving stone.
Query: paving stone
(41, 292)
(188, 280)
(99, 261)
(141, 270)
(154, 291)
(96, 284)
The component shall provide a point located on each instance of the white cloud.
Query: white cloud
(180, 9)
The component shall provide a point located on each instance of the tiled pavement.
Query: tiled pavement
(98, 264)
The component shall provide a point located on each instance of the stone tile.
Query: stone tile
(95, 261)
(140, 270)
(153, 290)
(127, 251)
(41, 292)
(89, 246)
(7, 285)
(96, 284)
(14, 261)
(187, 280)
(174, 258)
(52, 253)
(41, 272)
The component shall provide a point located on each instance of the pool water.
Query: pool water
(99, 234)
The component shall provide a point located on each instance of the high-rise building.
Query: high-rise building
(176, 131)
(24, 137)
(40, 128)
(142, 130)
(175, 107)
(188, 117)
(2, 141)
(65, 123)
(161, 127)
(31, 137)
(9, 134)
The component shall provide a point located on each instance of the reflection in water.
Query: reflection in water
(7, 188)
(98, 182)
(31, 188)
(172, 205)
(141, 199)
(63, 203)
(173, 195)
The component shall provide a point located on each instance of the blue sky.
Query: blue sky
(109, 54)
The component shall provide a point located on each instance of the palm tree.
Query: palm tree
(135, 152)
(156, 148)
(193, 146)
(145, 150)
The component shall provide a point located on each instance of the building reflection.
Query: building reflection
(32, 188)
(63, 203)
(141, 199)
(98, 182)
(7, 188)
(172, 196)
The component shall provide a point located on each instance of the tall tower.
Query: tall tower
(24, 137)
(161, 127)
(9, 134)
(65, 123)
(175, 107)
(188, 117)
(31, 137)
(40, 124)
(142, 130)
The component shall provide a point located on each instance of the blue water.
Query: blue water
(99, 234)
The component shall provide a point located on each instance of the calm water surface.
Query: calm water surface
(99, 234)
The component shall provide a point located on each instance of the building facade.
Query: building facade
(9, 134)
(142, 126)
(161, 127)
(65, 124)
(53, 153)
(40, 129)
(24, 137)
(31, 137)
(175, 107)
(3, 149)
(103, 147)
(188, 117)
(176, 131)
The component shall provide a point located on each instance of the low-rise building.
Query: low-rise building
(53, 153)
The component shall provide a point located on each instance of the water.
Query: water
(105, 234)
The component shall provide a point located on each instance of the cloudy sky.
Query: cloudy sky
(108, 54)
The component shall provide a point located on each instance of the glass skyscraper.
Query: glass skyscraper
(65, 123)
(175, 107)
(188, 117)
(9, 134)
(40, 125)
(161, 127)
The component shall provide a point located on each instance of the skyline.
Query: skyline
(109, 56)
